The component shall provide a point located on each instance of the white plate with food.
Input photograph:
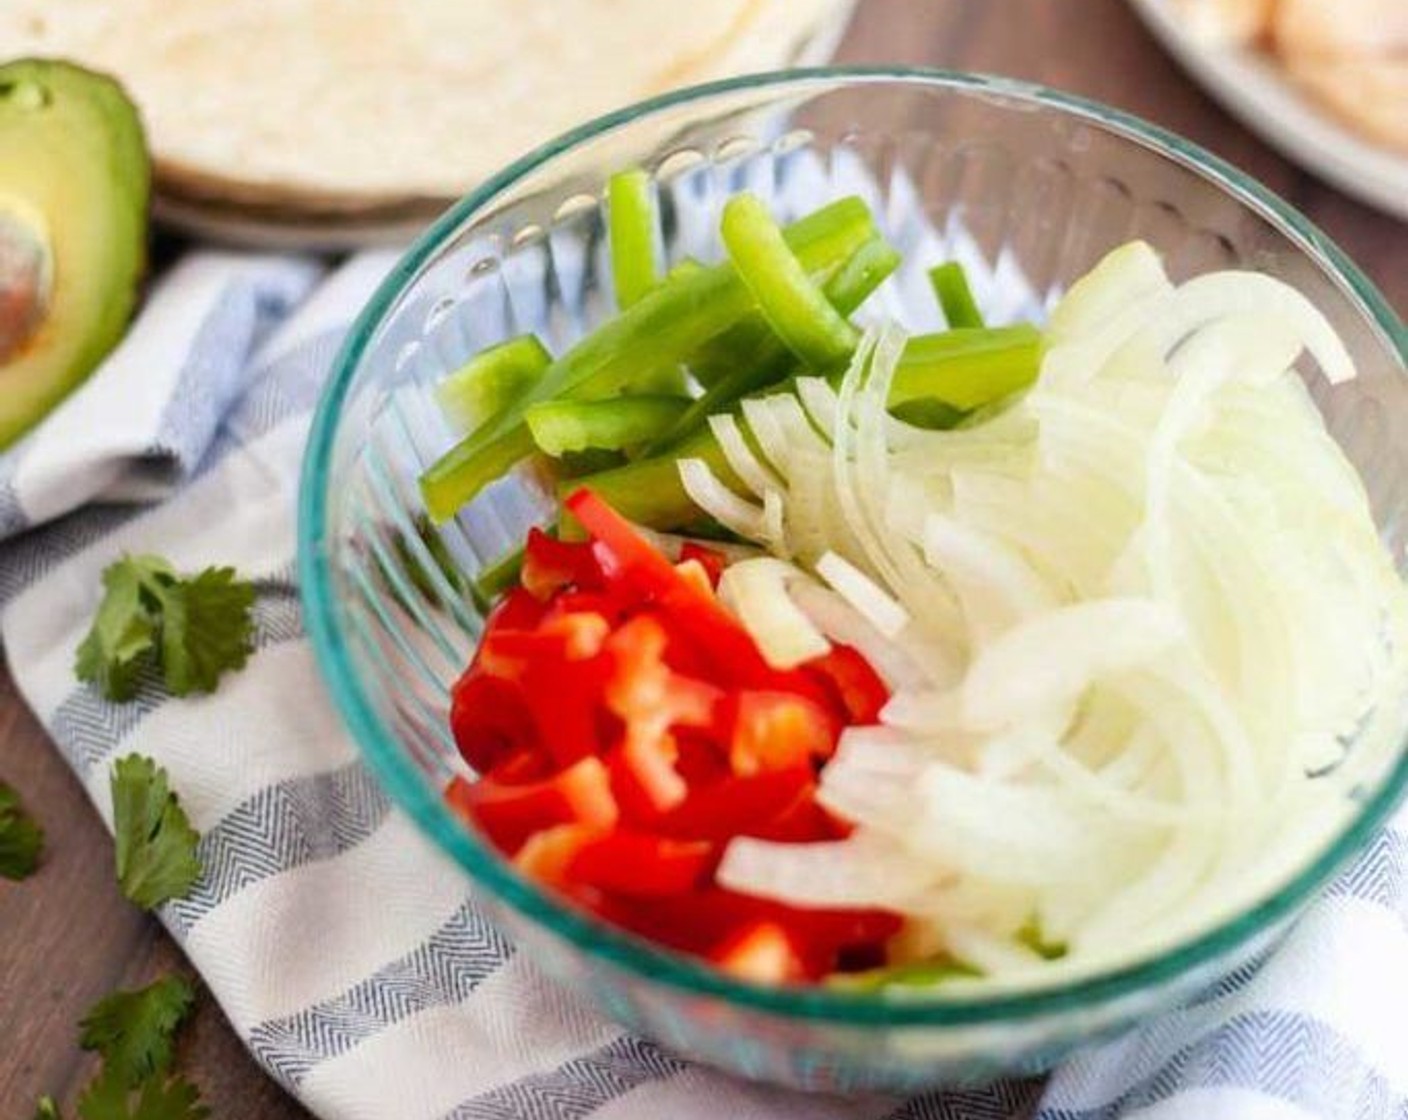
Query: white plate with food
(1325, 83)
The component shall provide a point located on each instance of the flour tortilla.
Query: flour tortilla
(337, 105)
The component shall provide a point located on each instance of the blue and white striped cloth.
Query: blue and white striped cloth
(347, 953)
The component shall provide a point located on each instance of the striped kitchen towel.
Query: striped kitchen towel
(347, 953)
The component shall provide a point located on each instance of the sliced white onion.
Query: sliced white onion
(1129, 274)
(741, 460)
(899, 664)
(768, 433)
(869, 871)
(758, 592)
(1051, 659)
(994, 583)
(707, 492)
(868, 597)
(1120, 617)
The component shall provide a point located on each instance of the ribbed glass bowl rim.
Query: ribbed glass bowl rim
(662, 967)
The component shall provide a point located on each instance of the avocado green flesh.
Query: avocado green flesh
(74, 192)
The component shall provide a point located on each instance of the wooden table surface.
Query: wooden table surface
(67, 937)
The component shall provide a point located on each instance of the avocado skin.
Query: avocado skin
(74, 153)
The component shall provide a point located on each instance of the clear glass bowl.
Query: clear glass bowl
(1030, 188)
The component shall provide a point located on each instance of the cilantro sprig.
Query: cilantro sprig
(156, 845)
(171, 1098)
(190, 628)
(134, 1033)
(133, 1030)
(20, 837)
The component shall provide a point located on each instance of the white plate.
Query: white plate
(1256, 90)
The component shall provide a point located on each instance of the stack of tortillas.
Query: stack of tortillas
(327, 118)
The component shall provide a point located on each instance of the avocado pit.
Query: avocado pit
(26, 281)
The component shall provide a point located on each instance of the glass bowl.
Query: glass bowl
(1029, 188)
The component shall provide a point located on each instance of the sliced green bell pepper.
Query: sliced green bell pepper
(660, 331)
(491, 380)
(791, 301)
(564, 426)
(955, 296)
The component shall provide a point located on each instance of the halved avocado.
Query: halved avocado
(75, 185)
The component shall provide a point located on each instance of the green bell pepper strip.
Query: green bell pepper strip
(771, 361)
(928, 413)
(630, 232)
(564, 426)
(649, 491)
(491, 380)
(752, 341)
(941, 371)
(967, 368)
(497, 578)
(920, 974)
(955, 296)
(793, 304)
(660, 331)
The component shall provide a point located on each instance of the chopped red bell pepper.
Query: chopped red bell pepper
(506, 652)
(857, 685)
(761, 952)
(710, 559)
(626, 728)
(693, 572)
(489, 717)
(517, 610)
(526, 764)
(547, 855)
(645, 692)
(509, 814)
(738, 806)
(630, 562)
(642, 865)
(778, 731)
(644, 777)
(549, 565)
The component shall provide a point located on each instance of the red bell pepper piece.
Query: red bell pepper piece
(778, 731)
(738, 806)
(506, 652)
(762, 952)
(699, 920)
(549, 565)
(489, 717)
(526, 764)
(547, 855)
(644, 776)
(517, 610)
(641, 865)
(509, 814)
(856, 684)
(710, 559)
(802, 822)
(631, 563)
(645, 692)
(693, 572)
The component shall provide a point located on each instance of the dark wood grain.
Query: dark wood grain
(67, 937)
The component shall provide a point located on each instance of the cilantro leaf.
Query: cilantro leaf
(133, 1030)
(124, 629)
(206, 629)
(46, 1109)
(156, 845)
(172, 1098)
(20, 838)
(191, 628)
